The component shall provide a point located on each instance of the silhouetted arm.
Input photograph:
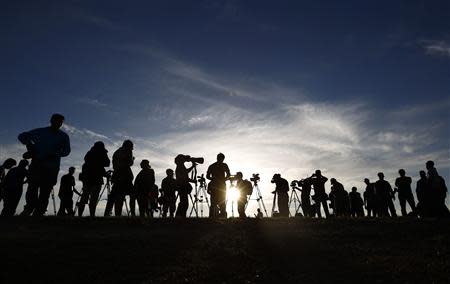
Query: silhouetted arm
(209, 174)
(65, 146)
(227, 172)
(28, 137)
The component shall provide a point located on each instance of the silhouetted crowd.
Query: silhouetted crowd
(45, 147)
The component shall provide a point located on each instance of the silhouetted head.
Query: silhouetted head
(380, 176)
(127, 144)
(354, 189)
(333, 180)
(423, 175)
(429, 165)
(9, 163)
(99, 145)
(169, 172)
(275, 178)
(220, 157)
(318, 173)
(56, 121)
(366, 181)
(145, 164)
(71, 170)
(239, 175)
(401, 172)
(23, 164)
(180, 159)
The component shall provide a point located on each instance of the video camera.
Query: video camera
(187, 158)
(255, 178)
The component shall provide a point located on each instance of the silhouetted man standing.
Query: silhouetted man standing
(218, 173)
(45, 147)
(93, 172)
(370, 199)
(305, 197)
(281, 190)
(13, 188)
(403, 184)
(320, 196)
(184, 187)
(437, 192)
(385, 194)
(122, 178)
(65, 193)
(145, 180)
(168, 188)
(356, 203)
(245, 189)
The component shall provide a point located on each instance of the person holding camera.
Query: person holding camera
(122, 178)
(182, 179)
(245, 189)
(92, 173)
(45, 147)
(168, 198)
(218, 173)
(13, 187)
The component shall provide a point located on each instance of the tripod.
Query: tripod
(294, 199)
(200, 196)
(258, 198)
(54, 202)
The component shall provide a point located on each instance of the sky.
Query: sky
(348, 87)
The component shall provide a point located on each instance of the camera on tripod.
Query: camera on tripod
(187, 158)
(201, 179)
(255, 178)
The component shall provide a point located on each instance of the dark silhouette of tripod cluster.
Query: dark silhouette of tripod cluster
(46, 146)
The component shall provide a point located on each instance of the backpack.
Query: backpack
(246, 187)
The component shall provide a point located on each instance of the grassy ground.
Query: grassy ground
(52, 250)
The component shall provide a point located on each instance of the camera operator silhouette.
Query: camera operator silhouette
(403, 184)
(245, 189)
(339, 199)
(183, 181)
(45, 147)
(385, 194)
(122, 178)
(218, 173)
(143, 185)
(305, 197)
(370, 199)
(92, 174)
(320, 197)
(7, 165)
(168, 198)
(13, 187)
(65, 194)
(281, 190)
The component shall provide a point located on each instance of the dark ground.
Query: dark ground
(51, 250)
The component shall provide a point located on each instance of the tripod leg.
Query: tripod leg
(262, 201)
(54, 202)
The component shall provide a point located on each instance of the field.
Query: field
(115, 250)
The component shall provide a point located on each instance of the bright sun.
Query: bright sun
(233, 194)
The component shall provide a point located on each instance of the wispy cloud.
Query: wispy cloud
(436, 47)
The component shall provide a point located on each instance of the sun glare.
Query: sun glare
(233, 194)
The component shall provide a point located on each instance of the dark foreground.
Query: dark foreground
(51, 250)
